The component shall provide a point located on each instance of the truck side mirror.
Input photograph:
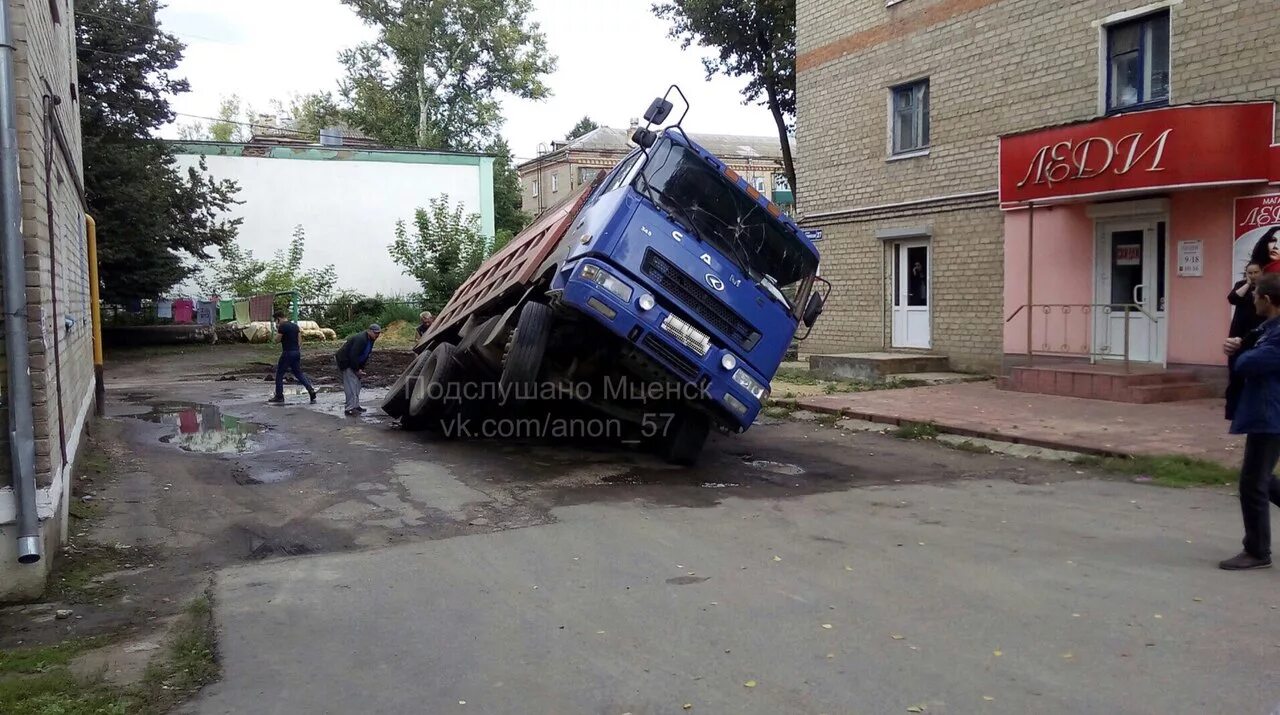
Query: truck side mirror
(644, 138)
(658, 111)
(813, 309)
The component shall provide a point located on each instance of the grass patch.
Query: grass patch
(915, 430)
(37, 681)
(801, 376)
(42, 659)
(191, 661)
(968, 446)
(778, 411)
(1166, 471)
(74, 578)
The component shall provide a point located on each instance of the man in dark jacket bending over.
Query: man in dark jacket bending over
(351, 358)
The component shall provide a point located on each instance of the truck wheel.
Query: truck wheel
(528, 346)
(429, 390)
(396, 403)
(683, 442)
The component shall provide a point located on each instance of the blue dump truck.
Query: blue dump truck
(658, 300)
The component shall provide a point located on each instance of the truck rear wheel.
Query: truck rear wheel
(430, 397)
(685, 438)
(527, 347)
(396, 403)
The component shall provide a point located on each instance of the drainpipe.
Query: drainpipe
(95, 310)
(22, 445)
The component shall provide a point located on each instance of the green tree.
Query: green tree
(752, 38)
(149, 214)
(584, 126)
(238, 273)
(309, 113)
(435, 71)
(230, 126)
(445, 247)
(508, 216)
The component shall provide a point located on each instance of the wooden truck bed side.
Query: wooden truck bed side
(512, 268)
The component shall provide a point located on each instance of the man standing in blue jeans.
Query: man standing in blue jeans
(290, 357)
(1257, 415)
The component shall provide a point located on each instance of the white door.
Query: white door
(1130, 290)
(911, 294)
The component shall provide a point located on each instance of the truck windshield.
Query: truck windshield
(681, 183)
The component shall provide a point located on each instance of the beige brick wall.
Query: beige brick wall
(44, 65)
(994, 67)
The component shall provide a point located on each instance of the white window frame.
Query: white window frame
(555, 183)
(758, 183)
(534, 182)
(911, 153)
(1104, 58)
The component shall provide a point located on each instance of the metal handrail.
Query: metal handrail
(1066, 309)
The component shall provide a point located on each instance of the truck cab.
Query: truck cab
(677, 255)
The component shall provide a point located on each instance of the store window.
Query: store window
(1138, 62)
(909, 117)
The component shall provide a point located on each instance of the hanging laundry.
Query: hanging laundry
(242, 311)
(226, 310)
(206, 312)
(261, 307)
(184, 311)
(164, 308)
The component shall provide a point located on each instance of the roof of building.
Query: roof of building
(610, 139)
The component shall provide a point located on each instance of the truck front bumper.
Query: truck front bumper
(643, 329)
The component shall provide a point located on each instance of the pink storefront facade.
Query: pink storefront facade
(1123, 235)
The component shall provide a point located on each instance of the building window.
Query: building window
(555, 183)
(1138, 62)
(909, 108)
(759, 184)
(534, 184)
(587, 174)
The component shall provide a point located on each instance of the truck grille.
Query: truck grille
(687, 368)
(701, 301)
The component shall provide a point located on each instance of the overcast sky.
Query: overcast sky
(614, 56)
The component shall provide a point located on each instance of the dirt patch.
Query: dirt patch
(383, 368)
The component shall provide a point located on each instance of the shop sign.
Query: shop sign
(1128, 254)
(1256, 216)
(1190, 259)
(1159, 148)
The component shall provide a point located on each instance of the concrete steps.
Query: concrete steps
(1092, 382)
(876, 366)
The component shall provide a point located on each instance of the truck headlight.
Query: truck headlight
(606, 280)
(750, 384)
(728, 361)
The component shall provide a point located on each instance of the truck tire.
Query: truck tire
(430, 389)
(684, 440)
(396, 403)
(527, 347)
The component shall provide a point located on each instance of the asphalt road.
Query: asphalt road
(363, 569)
(978, 597)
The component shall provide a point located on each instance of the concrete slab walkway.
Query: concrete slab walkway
(1195, 428)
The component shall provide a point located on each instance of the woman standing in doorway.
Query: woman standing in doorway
(1244, 321)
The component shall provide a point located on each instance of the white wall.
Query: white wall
(348, 208)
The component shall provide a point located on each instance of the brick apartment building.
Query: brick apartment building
(48, 134)
(1083, 162)
(550, 178)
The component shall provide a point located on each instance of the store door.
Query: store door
(911, 294)
(1130, 290)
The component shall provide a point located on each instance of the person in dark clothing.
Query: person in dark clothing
(424, 323)
(1244, 321)
(290, 337)
(351, 358)
(1257, 415)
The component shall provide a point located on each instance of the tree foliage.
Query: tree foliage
(584, 126)
(432, 77)
(238, 273)
(755, 39)
(444, 247)
(231, 124)
(509, 217)
(149, 213)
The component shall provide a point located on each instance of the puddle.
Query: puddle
(783, 468)
(203, 429)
